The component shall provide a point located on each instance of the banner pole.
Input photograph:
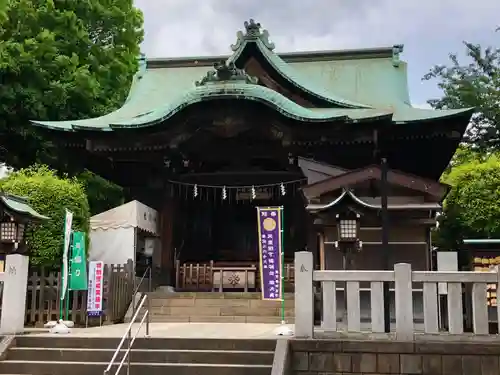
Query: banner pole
(66, 297)
(61, 300)
(282, 255)
(62, 297)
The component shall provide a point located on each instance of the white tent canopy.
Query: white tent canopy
(113, 233)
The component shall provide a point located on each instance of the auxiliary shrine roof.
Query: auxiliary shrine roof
(351, 86)
(18, 206)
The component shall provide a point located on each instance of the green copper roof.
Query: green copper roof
(260, 38)
(364, 87)
(18, 205)
(235, 85)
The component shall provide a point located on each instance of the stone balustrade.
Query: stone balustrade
(403, 278)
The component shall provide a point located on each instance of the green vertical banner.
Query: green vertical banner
(78, 263)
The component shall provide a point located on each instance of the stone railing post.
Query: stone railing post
(304, 296)
(15, 283)
(404, 301)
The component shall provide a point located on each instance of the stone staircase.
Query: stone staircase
(216, 307)
(42, 355)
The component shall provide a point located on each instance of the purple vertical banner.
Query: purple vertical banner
(269, 230)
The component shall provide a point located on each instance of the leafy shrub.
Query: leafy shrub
(472, 208)
(50, 195)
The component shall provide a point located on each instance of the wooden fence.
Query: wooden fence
(445, 319)
(43, 296)
(213, 276)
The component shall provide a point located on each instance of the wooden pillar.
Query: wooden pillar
(167, 258)
(312, 238)
(321, 239)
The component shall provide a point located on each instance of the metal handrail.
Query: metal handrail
(136, 289)
(131, 339)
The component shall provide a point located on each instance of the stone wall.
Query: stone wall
(374, 357)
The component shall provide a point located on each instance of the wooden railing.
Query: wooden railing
(224, 276)
(403, 278)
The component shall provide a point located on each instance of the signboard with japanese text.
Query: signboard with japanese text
(78, 263)
(270, 247)
(95, 288)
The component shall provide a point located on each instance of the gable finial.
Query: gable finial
(396, 51)
(224, 72)
(253, 31)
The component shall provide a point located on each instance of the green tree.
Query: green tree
(102, 194)
(472, 208)
(476, 84)
(60, 60)
(50, 195)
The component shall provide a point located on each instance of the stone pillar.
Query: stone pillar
(404, 301)
(15, 283)
(304, 296)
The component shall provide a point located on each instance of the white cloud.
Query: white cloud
(429, 29)
(197, 27)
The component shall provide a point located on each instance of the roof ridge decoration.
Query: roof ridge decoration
(225, 72)
(254, 31)
(397, 50)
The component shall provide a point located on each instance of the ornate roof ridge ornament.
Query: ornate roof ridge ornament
(226, 72)
(253, 31)
(142, 65)
(397, 49)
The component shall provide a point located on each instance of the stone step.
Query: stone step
(40, 341)
(213, 295)
(218, 319)
(136, 368)
(220, 311)
(142, 355)
(216, 302)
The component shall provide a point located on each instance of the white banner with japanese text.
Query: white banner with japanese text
(95, 287)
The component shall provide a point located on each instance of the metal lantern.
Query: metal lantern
(15, 215)
(11, 231)
(348, 224)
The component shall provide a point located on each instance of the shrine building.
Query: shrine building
(204, 140)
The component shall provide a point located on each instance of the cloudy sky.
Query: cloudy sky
(429, 29)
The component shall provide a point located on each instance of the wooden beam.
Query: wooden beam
(374, 172)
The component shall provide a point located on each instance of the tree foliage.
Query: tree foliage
(60, 60)
(50, 195)
(476, 84)
(102, 194)
(472, 208)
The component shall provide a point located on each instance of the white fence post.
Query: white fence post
(404, 301)
(304, 296)
(15, 283)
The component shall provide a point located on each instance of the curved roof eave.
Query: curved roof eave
(251, 92)
(19, 206)
(261, 94)
(406, 115)
(347, 192)
(294, 77)
(226, 90)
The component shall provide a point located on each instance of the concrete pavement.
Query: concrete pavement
(182, 330)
